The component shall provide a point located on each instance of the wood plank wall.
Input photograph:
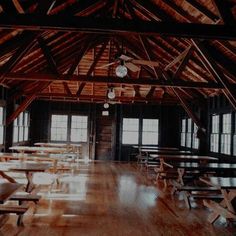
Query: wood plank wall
(106, 131)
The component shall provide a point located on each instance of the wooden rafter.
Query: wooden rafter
(145, 46)
(183, 63)
(212, 67)
(184, 104)
(223, 7)
(203, 10)
(177, 59)
(97, 58)
(17, 56)
(51, 62)
(102, 25)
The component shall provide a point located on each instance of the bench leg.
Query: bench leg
(19, 220)
(187, 199)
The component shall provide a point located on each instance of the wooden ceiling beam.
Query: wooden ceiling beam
(224, 8)
(51, 62)
(183, 63)
(26, 102)
(145, 46)
(43, 77)
(177, 59)
(118, 26)
(17, 56)
(185, 104)
(93, 65)
(203, 10)
(212, 67)
(102, 98)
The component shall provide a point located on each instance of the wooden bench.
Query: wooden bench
(200, 192)
(19, 210)
(28, 197)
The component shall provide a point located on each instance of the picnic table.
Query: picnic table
(227, 186)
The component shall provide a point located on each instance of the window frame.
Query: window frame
(21, 128)
(131, 131)
(156, 132)
(226, 134)
(215, 133)
(69, 127)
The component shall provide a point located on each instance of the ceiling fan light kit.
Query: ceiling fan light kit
(111, 93)
(121, 71)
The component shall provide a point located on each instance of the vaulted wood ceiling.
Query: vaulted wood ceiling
(56, 49)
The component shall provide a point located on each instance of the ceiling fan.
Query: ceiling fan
(125, 62)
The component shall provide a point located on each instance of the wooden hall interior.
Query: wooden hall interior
(117, 117)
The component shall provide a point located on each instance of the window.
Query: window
(26, 126)
(79, 127)
(130, 132)
(226, 134)
(234, 147)
(21, 128)
(214, 140)
(59, 125)
(183, 133)
(195, 143)
(72, 128)
(189, 133)
(150, 132)
(1, 125)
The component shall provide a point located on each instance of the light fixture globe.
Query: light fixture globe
(121, 71)
(111, 93)
(106, 105)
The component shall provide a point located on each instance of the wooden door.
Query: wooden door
(105, 135)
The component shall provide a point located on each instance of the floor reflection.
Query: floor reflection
(132, 194)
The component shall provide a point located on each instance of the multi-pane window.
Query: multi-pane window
(130, 132)
(79, 127)
(183, 133)
(1, 125)
(226, 134)
(189, 133)
(59, 127)
(69, 128)
(150, 132)
(26, 126)
(234, 138)
(215, 128)
(21, 128)
(195, 143)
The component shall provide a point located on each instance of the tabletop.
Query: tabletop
(7, 189)
(183, 157)
(38, 149)
(171, 152)
(220, 182)
(155, 147)
(201, 166)
(31, 167)
(59, 145)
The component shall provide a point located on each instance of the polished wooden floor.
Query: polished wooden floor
(113, 199)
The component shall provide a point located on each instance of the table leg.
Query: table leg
(223, 208)
(5, 176)
(29, 184)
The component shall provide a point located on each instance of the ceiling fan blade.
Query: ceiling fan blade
(106, 65)
(132, 67)
(145, 62)
(125, 58)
